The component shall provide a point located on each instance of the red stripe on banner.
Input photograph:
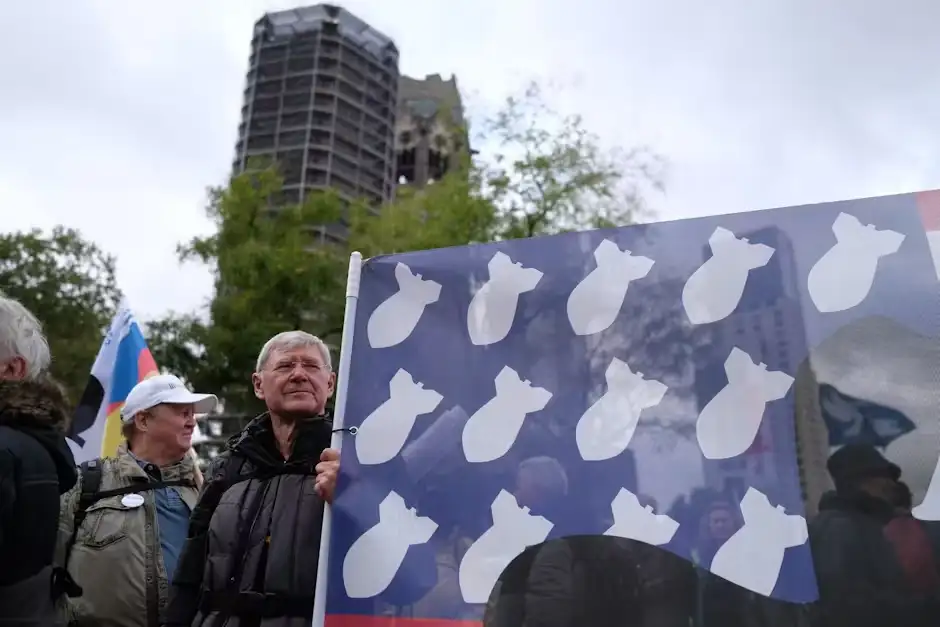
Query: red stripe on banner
(928, 204)
(358, 620)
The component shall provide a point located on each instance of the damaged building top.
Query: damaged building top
(320, 99)
(429, 130)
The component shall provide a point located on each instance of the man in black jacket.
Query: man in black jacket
(36, 467)
(254, 537)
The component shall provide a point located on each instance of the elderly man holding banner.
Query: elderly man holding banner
(254, 537)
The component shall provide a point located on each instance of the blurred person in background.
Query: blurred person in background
(123, 526)
(254, 538)
(874, 563)
(36, 467)
(541, 485)
(913, 544)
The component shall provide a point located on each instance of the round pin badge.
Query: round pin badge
(132, 500)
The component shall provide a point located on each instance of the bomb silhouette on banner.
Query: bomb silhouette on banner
(713, 291)
(393, 321)
(606, 428)
(375, 557)
(728, 424)
(492, 429)
(596, 301)
(493, 308)
(753, 556)
(844, 276)
(384, 432)
(514, 529)
(635, 522)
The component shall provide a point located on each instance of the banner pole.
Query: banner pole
(339, 417)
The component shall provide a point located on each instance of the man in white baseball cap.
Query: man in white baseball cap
(124, 525)
(164, 389)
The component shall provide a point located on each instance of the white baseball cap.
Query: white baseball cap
(164, 388)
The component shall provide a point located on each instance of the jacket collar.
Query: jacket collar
(256, 441)
(130, 466)
(40, 409)
(39, 403)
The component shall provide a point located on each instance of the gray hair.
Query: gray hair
(21, 336)
(548, 473)
(289, 340)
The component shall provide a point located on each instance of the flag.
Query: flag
(122, 362)
(501, 394)
(851, 420)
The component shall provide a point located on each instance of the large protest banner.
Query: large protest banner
(507, 394)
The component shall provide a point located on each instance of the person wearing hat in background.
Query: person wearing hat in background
(123, 526)
(862, 581)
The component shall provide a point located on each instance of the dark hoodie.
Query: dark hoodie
(36, 468)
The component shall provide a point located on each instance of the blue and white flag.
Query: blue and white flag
(851, 420)
(594, 383)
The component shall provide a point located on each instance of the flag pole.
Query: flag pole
(339, 415)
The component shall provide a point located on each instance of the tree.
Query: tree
(449, 212)
(546, 173)
(270, 276)
(550, 174)
(69, 284)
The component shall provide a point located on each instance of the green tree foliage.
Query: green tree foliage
(548, 173)
(69, 284)
(270, 276)
(449, 212)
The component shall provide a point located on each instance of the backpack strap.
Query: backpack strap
(91, 472)
(90, 475)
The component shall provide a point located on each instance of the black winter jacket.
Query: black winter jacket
(254, 537)
(36, 468)
(861, 583)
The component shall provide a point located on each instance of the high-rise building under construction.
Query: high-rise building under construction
(320, 100)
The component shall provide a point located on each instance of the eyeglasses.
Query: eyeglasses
(309, 367)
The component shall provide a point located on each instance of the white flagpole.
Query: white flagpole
(339, 415)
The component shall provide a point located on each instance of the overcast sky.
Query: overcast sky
(115, 116)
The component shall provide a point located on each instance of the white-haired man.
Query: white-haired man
(123, 526)
(254, 538)
(36, 467)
